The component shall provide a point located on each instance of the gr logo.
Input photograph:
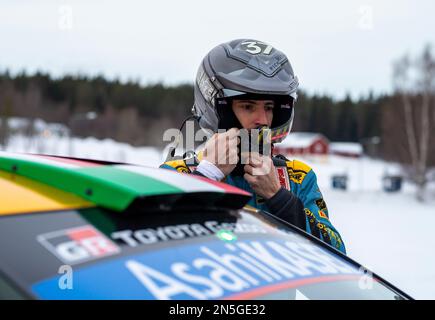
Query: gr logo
(78, 245)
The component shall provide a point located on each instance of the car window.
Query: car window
(191, 254)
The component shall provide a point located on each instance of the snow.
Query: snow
(300, 139)
(39, 126)
(346, 147)
(389, 233)
(89, 148)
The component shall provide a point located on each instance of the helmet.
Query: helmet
(244, 68)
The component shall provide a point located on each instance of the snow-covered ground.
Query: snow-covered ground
(53, 139)
(89, 148)
(390, 233)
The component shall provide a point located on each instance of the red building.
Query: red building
(303, 143)
(346, 149)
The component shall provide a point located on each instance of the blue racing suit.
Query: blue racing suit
(299, 201)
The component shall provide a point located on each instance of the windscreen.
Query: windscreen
(98, 254)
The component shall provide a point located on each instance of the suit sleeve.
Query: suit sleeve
(317, 216)
(285, 205)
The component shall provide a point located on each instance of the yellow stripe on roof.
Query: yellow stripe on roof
(22, 195)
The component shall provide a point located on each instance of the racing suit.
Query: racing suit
(299, 201)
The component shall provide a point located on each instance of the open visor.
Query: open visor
(283, 111)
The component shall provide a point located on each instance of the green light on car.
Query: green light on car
(226, 235)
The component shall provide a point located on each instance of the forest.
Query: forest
(137, 114)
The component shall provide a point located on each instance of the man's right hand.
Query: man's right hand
(221, 150)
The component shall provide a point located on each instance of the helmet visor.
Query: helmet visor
(283, 111)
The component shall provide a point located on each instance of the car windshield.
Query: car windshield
(192, 254)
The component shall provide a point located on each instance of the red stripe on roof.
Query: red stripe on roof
(228, 188)
(80, 163)
(290, 284)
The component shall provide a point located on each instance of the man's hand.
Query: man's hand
(261, 174)
(221, 150)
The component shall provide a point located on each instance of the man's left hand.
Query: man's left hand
(261, 175)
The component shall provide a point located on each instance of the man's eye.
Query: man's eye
(269, 108)
(247, 107)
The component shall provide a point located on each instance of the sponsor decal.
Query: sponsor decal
(182, 169)
(283, 177)
(212, 270)
(134, 238)
(309, 213)
(296, 176)
(78, 245)
(321, 204)
(325, 232)
(312, 222)
(322, 214)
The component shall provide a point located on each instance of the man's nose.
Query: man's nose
(261, 117)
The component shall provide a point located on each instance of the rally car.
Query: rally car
(84, 229)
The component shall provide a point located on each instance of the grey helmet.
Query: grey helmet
(244, 67)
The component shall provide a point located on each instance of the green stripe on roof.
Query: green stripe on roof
(106, 186)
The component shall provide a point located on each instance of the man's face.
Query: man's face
(253, 113)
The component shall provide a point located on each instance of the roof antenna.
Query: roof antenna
(171, 151)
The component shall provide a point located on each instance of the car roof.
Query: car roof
(55, 183)
(39, 183)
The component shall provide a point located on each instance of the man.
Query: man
(249, 85)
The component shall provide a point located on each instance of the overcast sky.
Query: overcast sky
(335, 46)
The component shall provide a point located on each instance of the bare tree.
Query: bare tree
(414, 82)
(6, 111)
